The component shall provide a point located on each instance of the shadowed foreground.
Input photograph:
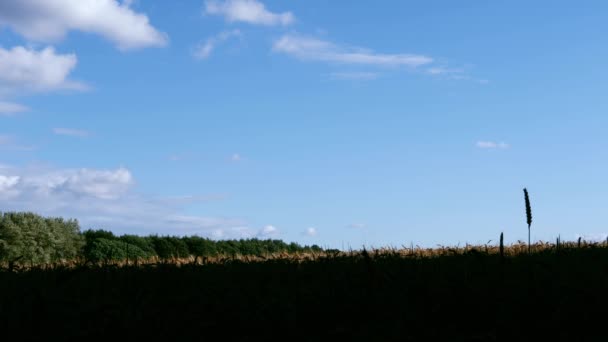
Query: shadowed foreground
(384, 297)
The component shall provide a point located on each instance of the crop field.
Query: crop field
(466, 294)
(57, 282)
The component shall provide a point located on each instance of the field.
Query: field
(465, 294)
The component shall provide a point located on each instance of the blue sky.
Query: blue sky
(337, 123)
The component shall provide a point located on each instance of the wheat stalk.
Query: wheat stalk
(528, 215)
(502, 246)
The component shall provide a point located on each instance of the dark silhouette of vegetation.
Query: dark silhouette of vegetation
(528, 215)
(371, 296)
(502, 245)
(470, 293)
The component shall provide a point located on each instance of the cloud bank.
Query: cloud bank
(107, 199)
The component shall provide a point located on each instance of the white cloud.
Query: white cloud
(357, 225)
(249, 11)
(10, 108)
(354, 76)
(7, 183)
(82, 183)
(310, 231)
(313, 49)
(50, 20)
(268, 231)
(104, 184)
(236, 157)
(203, 51)
(492, 145)
(27, 70)
(107, 199)
(71, 132)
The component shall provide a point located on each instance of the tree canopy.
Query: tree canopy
(26, 237)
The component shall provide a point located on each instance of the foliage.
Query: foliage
(31, 239)
(142, 243)
(106, 250)
(36, 240)
(200, 247)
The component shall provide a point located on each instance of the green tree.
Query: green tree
(143, 243)
(104, 250)
(11, 241)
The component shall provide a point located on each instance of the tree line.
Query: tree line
(28, 238)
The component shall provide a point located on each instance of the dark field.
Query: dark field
(385, 297)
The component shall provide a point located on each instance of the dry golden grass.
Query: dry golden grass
(518, 248)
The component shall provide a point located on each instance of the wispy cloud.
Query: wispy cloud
(313, 49)
(357, 225)
(10, 108)
(184, 156)
(236, 157)
(492, 145)
(49, 21)
(9, 142)
(203, 51)
(248, 11)
(354, 76)
(438, 70)
(454, 74)
(71, 132)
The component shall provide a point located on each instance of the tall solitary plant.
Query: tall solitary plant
(528, 215)
(502, 246)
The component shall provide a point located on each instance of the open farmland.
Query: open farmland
(405, 295)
